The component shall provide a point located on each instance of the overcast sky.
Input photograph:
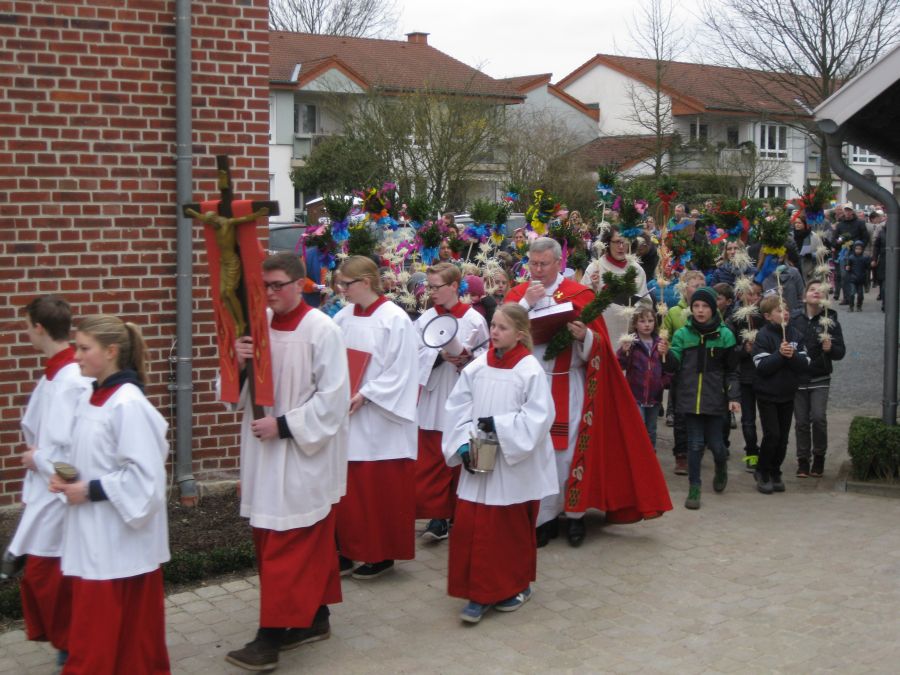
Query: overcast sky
(526, 37)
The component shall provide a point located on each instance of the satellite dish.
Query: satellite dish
(440, 333)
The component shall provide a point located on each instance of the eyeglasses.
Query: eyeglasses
(430, 288)
(618, 242)
(346, 284)
(540, 265)
(277, 285)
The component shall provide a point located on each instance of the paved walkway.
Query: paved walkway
(800, 582)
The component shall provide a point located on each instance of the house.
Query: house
(311, 74)
(719, 115)
(546, 101)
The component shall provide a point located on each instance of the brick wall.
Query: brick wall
(87, 181)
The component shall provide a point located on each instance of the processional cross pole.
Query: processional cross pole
(234, 257)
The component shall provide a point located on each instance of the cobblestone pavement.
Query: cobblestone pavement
(800, 582)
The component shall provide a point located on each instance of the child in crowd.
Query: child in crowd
(824, 342)
(642, 361)
(745, 323)
(493, 554)
(780, 358)
(116, 530)
(857, 268)
(706, 386)
(47, 428)
(724, 300)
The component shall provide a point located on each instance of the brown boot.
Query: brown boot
(259, 655)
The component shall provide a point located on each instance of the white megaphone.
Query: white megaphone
(440, 333)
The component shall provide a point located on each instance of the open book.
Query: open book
(548, 321)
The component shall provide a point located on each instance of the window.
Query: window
(305, 118)
(772, 191)
(860, 155)
(699, 132)
(773, 141)
(731, 137)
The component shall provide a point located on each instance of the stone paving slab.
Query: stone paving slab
(805, 581)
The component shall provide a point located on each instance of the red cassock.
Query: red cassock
(46, 601)
(298, 572)
(614, 468)
(435, 481)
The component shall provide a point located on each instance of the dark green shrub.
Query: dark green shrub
(874, 449)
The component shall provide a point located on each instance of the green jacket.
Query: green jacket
(675, 318)
(706, 368)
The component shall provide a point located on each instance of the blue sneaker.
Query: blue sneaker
(516, 601)
(473, 612)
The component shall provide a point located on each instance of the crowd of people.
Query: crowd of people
(497, 392)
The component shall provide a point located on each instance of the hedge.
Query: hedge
(874, 449)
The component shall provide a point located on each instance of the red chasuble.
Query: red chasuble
(614, 468)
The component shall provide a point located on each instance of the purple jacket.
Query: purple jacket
(644, 372)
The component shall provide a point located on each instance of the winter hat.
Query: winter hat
(707, 295)
(476, 286)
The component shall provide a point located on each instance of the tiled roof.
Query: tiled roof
(526, 83)
(698, 88)
(622, 152)
(390, 65)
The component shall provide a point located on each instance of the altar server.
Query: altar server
(439, 370)
(294, 468)
(47, 430)
(493, 553)
(376, 519)
(116, 530)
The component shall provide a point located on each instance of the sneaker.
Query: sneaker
(721, 478)
(750, 462)
(777, 484)
(438, 529)
(373, 570)
(818, 466)
(513, 603)
(258, 655)
(473, 612)
(294, 637)
(802, 468)
(670, 420)
(763, 483)
(693, 498)
(345, 565)
(681, 468)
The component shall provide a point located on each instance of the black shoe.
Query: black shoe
(818, 466)
(438, 529)
(258, 655)
(576, 532)
(802, 468)
(345, 565)
(373, 570)
(721, 478)
(294, 637)
(777, 484)
(763, 483)
(544, 533)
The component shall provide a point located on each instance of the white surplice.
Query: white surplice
(385, 427)
(437, 382)
(47, 426)
(616, 320)
(123, 444)
(293, 482)
(518, 399)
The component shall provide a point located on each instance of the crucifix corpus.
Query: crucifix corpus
(234, 256)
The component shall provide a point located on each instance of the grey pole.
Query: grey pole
(184, 418)
(891, 280)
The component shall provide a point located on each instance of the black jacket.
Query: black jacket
(778, 378)
(857, 267)
(746, 367)
(819, 373)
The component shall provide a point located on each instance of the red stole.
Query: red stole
(290, 320)
(370, 310)
(579, 296)
(58, 361)
(621, 264)
(458, 310)
(509, 359)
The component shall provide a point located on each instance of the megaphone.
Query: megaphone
(440, 333)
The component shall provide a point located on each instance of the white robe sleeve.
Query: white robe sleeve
(137, 489)
(316, 421)
(521, 431)
(395, 388)
(56, 434)
(459, 412)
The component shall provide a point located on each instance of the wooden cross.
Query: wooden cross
(234, 256)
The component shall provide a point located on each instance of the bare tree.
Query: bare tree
(531, 143)
(353, 18)
(658, 37)
(805, 47)
(741, 171)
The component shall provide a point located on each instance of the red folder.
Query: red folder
(548, 321)
(357, 362)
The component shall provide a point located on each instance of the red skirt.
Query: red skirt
(493, 552)
(46, 601)
(435, 481)
(376, 519)
(298, 572)
(119, 627)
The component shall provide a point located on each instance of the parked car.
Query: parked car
(285, 237)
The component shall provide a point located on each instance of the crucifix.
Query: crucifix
(235, 256)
